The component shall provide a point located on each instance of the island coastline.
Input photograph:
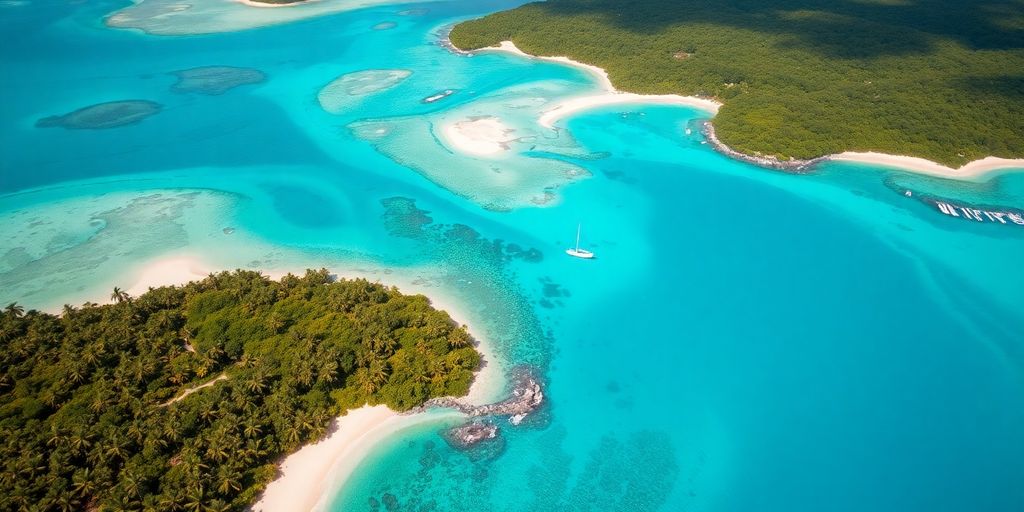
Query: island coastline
(308, 478)
(980, 169)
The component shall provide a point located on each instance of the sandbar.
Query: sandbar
(479, 135)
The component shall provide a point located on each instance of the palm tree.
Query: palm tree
(256, 383)
(82, 484)
(251, 428)
(195, 501)
(14, 310)
(67, 503)
(131, 483)
(80, 442)
(304, 375)
(364, 381)
(328, 372)
(119, 295)
(379, 371)
(117, 447)
(217, 506)
(228, 480)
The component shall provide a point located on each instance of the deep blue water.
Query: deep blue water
(745, 340)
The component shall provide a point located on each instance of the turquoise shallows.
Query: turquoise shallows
(745, 340)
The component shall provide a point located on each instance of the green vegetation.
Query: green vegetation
(937, 79)
(88, 419)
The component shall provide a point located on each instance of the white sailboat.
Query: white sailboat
(577, 252)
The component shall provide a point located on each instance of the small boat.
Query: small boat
(577, 252)
(439, 96)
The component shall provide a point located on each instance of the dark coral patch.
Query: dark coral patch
(215, 80)
(103, 115)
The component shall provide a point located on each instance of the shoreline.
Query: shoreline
(310, 477)
(971, 171)
(610, 96)
(252, 3)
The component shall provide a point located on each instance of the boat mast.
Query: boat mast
(578, 228)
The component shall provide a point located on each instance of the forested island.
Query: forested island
(803, 78)
(185, 397)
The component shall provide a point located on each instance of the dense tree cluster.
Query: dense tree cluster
(94, 405)
(804, 78)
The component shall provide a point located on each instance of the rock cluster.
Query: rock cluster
(793, 166)
(527, 396)
(471, 433)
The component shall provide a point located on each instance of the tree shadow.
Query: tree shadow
(836, 28)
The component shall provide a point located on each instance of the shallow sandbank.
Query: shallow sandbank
(479, 136)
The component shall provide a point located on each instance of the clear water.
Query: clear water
(745, 340)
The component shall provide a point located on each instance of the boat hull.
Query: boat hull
(580, 253)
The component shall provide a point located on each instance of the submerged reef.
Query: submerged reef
(215, 80)
(189, 17)
(103, 115)
(347, 90)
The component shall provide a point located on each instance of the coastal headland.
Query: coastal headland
(850, 80)
(978, 169)
(238, 364)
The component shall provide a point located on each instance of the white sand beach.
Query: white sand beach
(611, 96)
(479, 136)
(308, 475)
(975, 170)
(581, 103)
(169, 270)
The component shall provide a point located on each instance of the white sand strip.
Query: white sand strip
(167, 271)
(581, 103)
(611, 96)
(309, 475)
(973, 170)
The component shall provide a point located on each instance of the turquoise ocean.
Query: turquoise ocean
(746, 339)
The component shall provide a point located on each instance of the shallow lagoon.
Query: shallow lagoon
(746, 340)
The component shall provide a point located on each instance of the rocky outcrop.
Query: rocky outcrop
(527, 396)
(771, 162)
(464, 436)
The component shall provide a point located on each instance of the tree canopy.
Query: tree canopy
(104, 407)
(804, 78)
